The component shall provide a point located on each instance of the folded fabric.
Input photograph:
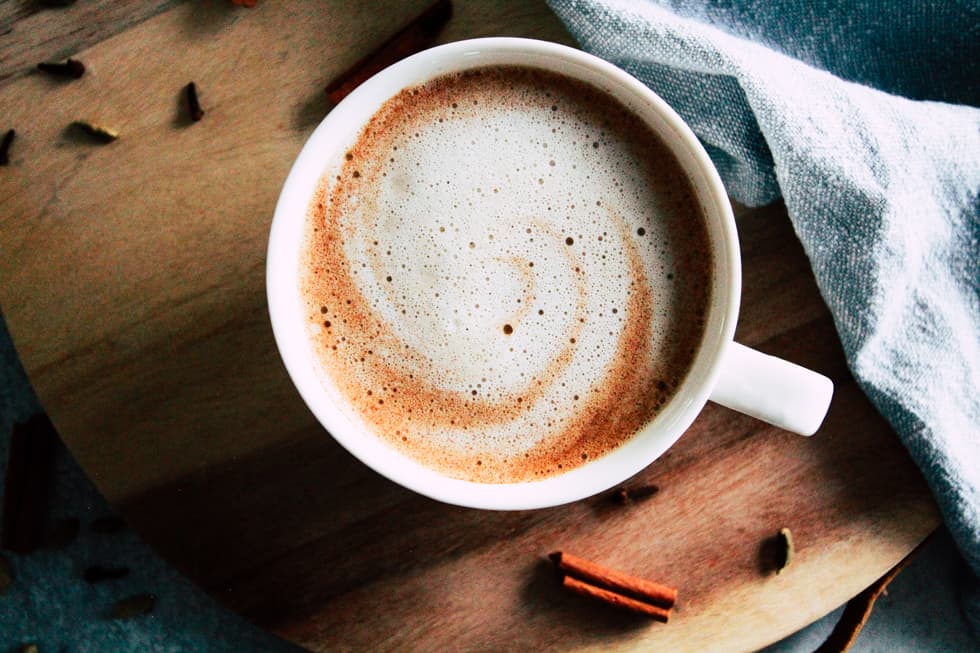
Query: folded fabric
(859, 117)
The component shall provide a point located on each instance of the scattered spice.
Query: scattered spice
(615, 588)
(71, 69)
(108, 524)
(615, 600)
(8, 139)
(62, 534)
(786, 550)
(6, 575)
(419, 34)
(98, 573)
(193, 104)
(776, 552)
(627, 495)
(618, 581)
(859, 608)
(133, 606)
(98, 132)
(30, 464)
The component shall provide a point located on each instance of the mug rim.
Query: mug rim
(289, 328)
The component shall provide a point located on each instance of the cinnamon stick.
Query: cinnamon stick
(603, 577)
(414, 37)
(615, 600)
(859, 608)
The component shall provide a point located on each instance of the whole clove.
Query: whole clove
(8, 138)
(627, 495)
(98, 573)
(70, 69)
(97, 132)
(133, 606)
(193, 104)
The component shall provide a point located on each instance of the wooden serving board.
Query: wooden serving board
(132, 279)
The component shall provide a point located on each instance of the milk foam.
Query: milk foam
(507, 276)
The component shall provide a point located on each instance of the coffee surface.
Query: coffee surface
(506, 276)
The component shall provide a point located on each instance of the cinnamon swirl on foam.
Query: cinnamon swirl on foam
(508, 276)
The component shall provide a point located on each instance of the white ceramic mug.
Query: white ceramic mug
(723, 371)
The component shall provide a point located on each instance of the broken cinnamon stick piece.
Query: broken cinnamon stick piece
(414, 37)
(858, 609)
(603, 577)
(615, 600)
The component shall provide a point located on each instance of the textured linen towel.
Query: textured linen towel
(859, 115)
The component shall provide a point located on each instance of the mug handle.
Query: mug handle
(772, 389)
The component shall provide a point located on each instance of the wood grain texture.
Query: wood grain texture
(31, 32)
(132, 279)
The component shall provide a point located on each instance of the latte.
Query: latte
(507, 274)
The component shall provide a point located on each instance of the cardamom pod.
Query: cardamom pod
(786, 549)
(98, 132)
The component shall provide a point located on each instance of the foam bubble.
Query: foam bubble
(507, 340)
